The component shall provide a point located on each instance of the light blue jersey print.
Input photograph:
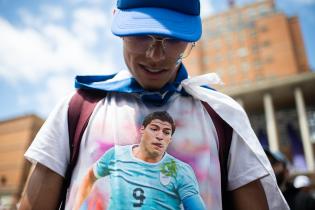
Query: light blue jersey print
(136, 184)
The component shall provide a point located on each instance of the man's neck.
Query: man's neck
(140, 153)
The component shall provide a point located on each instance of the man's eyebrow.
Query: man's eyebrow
(157, 125)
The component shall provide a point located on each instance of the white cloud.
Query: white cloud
(47, 13)
(22, 52)
(58, 87)
(91, 2)
(22, 100)
(88, 23)
(28, 19)
(206, 8)
(52, 12)
(43, 99)
(47, 49)
(38, 49)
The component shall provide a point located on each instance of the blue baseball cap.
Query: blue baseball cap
(173, 18)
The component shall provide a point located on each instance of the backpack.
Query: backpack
(80, 109)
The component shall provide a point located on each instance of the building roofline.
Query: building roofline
(267, 84)
(20, 117)
(237, 8)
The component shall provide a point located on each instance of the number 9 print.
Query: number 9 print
(138, 194)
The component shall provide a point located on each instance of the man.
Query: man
(279, 165)
(296, 191)
(172, 181)
(304, 198)
(156, 36)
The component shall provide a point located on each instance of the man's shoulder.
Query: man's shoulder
(122, 150)
(117, 152)
(181, 171)
(180, 165)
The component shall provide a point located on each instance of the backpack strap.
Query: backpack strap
(80, 110)
(224, 132)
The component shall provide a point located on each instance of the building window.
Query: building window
(242, 52)
(255, 48)
(232, 70)
(206, 60)
(218, 71)
(250, 24)
(217, 44)
(229, 56)
(269, 59)
(263, 10)
(223, 29)
(253, 34)
(241, 36)
(228, 38)
(218, 58)
(311, 122)
(266, 43)
(263, 28)
(3, 180)
(245, 67)
(257, 64)
(251, 14)
(218, 23)
(227, 21)
(239, 17)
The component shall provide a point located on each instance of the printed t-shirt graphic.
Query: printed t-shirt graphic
(135, 183)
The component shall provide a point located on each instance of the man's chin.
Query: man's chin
(157, 154)
(152, 87)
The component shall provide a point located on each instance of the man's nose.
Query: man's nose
(156, 51)
(159, 136)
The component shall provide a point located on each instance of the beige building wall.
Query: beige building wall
(15, 137)
(299, 48)
(249, 44)
(276, 54)
(193, 62)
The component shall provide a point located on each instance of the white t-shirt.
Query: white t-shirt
(116, 120)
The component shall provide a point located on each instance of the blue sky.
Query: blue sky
(44, 44)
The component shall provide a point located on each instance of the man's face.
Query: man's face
(150, 62)
(155, 138)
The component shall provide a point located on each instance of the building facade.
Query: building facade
(282, 113)
(250, 43)
(15, 137)
(259, 54)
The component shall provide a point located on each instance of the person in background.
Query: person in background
(304, 199)
(296, 192)
(280, 167)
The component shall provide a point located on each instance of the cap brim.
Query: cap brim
(157, 21)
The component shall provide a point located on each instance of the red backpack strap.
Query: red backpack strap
(80, 110)
(224, 132)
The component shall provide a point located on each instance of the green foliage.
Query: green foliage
(169, 169)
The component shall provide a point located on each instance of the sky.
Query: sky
(45, 44)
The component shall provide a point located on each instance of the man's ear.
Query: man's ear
(114, 11)
(142, 130)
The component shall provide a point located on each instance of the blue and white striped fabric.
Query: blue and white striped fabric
(228, 109)
(124, 82)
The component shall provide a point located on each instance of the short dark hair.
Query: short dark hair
(275, 157)
(160, 115)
